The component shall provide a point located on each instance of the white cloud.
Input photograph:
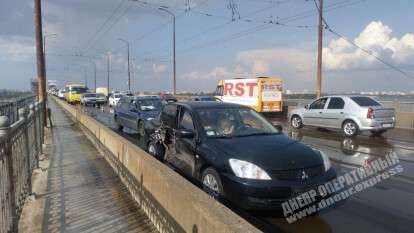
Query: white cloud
(376, 37)
(298, 66)
(217, 73)
(16, 48)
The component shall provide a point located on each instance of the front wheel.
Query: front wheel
(296, 122)
(350, 128)
(141, 129)
(117, 125)
(212, 183)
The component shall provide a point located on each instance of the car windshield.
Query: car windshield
(78, 90)
(207, 98)
(117, 96)
(365, 101)
(236, 122)
(149, 104)
(94, 95)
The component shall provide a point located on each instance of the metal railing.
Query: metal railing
(20, 147)
(10, 107)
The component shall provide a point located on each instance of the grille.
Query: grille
(296, 174)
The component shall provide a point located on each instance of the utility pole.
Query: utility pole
(108, 68)
(319, 62)
(94, 74)
(163, 8)
(40, 59)
(129, 70)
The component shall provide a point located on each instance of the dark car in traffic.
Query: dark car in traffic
(234, 153)
(133, 112)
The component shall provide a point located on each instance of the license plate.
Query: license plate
(386, 125)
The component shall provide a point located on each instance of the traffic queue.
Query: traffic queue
(224, 144)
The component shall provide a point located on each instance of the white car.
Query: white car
(352, 114)
(113, 99)
(95, 99)
(61, 94)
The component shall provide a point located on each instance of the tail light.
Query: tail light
(370, 114)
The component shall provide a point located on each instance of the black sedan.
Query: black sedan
(235, 153)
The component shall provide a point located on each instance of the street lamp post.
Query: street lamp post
(163, 8)
(94, 72)
(108, 69)
(129, 71)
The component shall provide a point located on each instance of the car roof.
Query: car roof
(144, 97)
(344, 96)
(208, 104)
(204, 96)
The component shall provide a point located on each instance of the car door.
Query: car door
(333, 115)
(185, 147)
(132, 115)
(120, 112)
(314, 113)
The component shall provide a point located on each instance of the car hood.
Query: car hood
(270, 152)
(152, 114)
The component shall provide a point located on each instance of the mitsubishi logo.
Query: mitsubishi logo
(303, 175)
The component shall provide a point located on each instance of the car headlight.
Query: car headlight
(325, 158)
(150, 118)
(243, 169)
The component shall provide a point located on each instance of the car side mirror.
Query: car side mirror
(307, 106)
(278, 127)
(184, 133)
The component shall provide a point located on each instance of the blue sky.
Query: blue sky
(210, 46)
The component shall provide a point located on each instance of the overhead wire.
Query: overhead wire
(93, 37)
(279, 22)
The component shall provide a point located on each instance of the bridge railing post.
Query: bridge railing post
(23, 116)
(8, 196)
(36, 140)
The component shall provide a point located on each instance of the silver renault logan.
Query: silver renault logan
(352, 114)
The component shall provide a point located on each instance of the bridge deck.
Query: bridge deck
(80, 193)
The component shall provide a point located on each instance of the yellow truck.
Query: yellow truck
(73, 92)
(263, 94)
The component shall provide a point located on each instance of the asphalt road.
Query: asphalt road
(386, 207)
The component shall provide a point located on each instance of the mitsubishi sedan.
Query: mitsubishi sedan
(236, 154)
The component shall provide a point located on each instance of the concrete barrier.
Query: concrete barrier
(404, 120)
(172, 203)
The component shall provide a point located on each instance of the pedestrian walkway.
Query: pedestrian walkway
(81, 193)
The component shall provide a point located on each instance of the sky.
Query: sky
(215, 39)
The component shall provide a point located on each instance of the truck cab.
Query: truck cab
(73, 92)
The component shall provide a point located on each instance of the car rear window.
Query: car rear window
(365, 101)
(90, 95)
